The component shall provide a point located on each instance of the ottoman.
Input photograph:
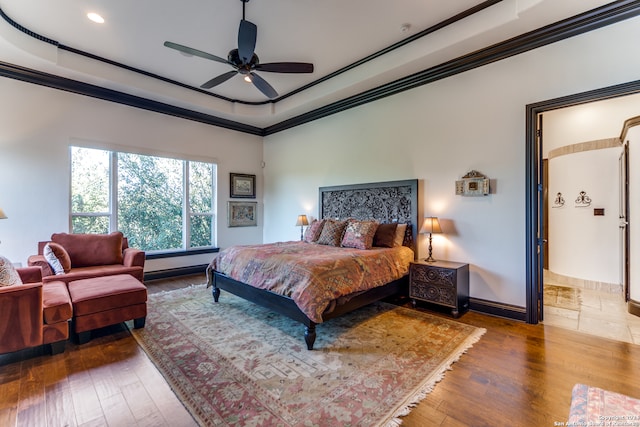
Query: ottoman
(104, 301)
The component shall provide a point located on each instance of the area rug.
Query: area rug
(562, 297)
(236, 363)
(593, 406)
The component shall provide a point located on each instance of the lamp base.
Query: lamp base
(430, 258)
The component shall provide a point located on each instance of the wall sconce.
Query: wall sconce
(301, 222)
(430, 225)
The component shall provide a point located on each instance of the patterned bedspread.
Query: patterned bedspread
(312, 275)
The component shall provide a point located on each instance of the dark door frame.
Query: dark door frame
(534, 184)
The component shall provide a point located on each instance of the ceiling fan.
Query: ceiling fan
(245, 61)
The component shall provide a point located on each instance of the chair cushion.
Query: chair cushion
(56, 302)
(96, 271)
(105, 293)
(91, 249)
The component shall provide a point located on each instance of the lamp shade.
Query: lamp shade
(302, 221)
(430, 225)
(2, 214)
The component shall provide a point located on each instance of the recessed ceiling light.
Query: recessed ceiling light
(95, 17)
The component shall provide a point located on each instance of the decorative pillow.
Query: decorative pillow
(385, 235)
(359, 234)
(57, 257)
(331, 233)
(313, 231)
(401, 230)
(8, 274)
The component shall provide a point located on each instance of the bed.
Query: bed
(242, 270)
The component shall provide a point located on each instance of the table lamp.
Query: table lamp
(430, 225)
(301, 222)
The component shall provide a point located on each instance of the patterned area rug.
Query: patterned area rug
(562, 297)
(235, 363)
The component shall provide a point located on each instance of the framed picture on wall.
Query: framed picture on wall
(242, 214)
(242, 186)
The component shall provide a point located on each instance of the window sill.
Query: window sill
(181, 253)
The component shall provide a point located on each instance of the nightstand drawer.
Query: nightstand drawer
(436, 276)
(432, 292)
(441, 282)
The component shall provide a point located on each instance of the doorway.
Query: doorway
(583, 274)
(538, 207)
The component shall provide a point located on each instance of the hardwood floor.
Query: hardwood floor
(517, 375)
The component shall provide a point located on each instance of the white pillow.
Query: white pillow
(52, 259)
(8, 274)
(401, 229)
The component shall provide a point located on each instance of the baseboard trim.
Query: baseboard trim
(633, 307)
(175, 272)
(499, 309)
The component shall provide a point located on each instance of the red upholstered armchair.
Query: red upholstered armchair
(86, 256)
(34, 313)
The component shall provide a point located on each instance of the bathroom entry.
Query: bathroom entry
(588, 218)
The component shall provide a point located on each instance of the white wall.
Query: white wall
(437, 133)
(37, 125)
(582, 245)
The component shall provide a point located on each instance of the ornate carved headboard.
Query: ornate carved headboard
(386, 202)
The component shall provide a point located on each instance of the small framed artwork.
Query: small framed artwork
(473, 184)
(242, 214)
(242, 186)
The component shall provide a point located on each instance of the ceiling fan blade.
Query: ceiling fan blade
(263, 86)
(195, 52)
(247, 34)
(220, 79)
(286, 67)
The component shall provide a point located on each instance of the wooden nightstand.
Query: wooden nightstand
(441, 282)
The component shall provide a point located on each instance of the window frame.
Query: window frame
(187, 214)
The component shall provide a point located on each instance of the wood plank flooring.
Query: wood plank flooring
(517, 375)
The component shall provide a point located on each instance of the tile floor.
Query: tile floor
(601, 313)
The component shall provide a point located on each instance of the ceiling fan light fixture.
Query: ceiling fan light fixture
(95, 18)
(247, 78)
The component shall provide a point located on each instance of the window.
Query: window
(159, 203)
